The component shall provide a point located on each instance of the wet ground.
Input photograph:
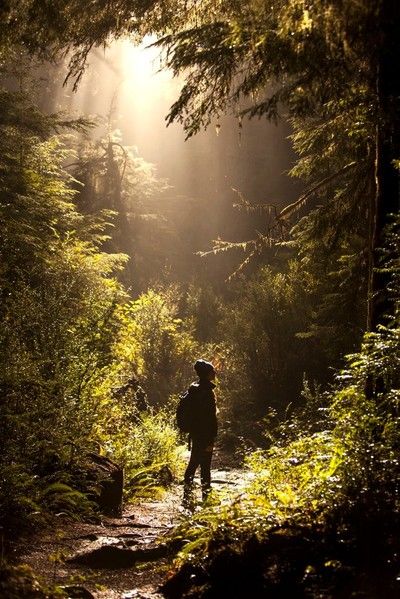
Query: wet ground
(120, 558)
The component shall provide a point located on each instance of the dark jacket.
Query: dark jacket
(202, 398)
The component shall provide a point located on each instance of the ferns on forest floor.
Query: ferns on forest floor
(149, 450)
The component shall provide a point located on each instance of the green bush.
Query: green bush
(156, 345)
(267, 357)
(149, 450)
(343, 478)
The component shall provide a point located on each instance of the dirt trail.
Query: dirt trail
(133, 539)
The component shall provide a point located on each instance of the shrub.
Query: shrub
(149, 450)
(156, 345)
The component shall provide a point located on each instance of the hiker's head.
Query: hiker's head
(205, 370)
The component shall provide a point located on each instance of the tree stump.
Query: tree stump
(111, 480)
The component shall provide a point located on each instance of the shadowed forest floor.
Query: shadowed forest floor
(119, 558)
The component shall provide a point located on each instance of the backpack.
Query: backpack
(185, 412)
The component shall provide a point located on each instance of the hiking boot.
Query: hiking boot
(188, 500)
(205, 492)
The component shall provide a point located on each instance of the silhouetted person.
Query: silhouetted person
(203, 429)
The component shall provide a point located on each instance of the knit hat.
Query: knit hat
(202, 368)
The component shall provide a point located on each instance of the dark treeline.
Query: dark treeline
(112, 283)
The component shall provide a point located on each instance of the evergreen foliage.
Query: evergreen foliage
(337, 485)
(261, 329)
(61, 313)
(113, 178)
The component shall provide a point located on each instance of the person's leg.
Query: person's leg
(194, 462)
(205, 469)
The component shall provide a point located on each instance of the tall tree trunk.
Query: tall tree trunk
(387, 150)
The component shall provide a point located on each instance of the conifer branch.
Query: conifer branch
(289, 210)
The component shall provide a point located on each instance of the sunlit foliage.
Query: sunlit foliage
(62, 322)
(338, 482)
(156, 344)
(115, 178)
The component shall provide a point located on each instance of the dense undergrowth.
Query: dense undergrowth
(319, 512)
(74, 348)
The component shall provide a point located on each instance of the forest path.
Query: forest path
(118, 558)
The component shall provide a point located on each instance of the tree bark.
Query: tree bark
(386, 201)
